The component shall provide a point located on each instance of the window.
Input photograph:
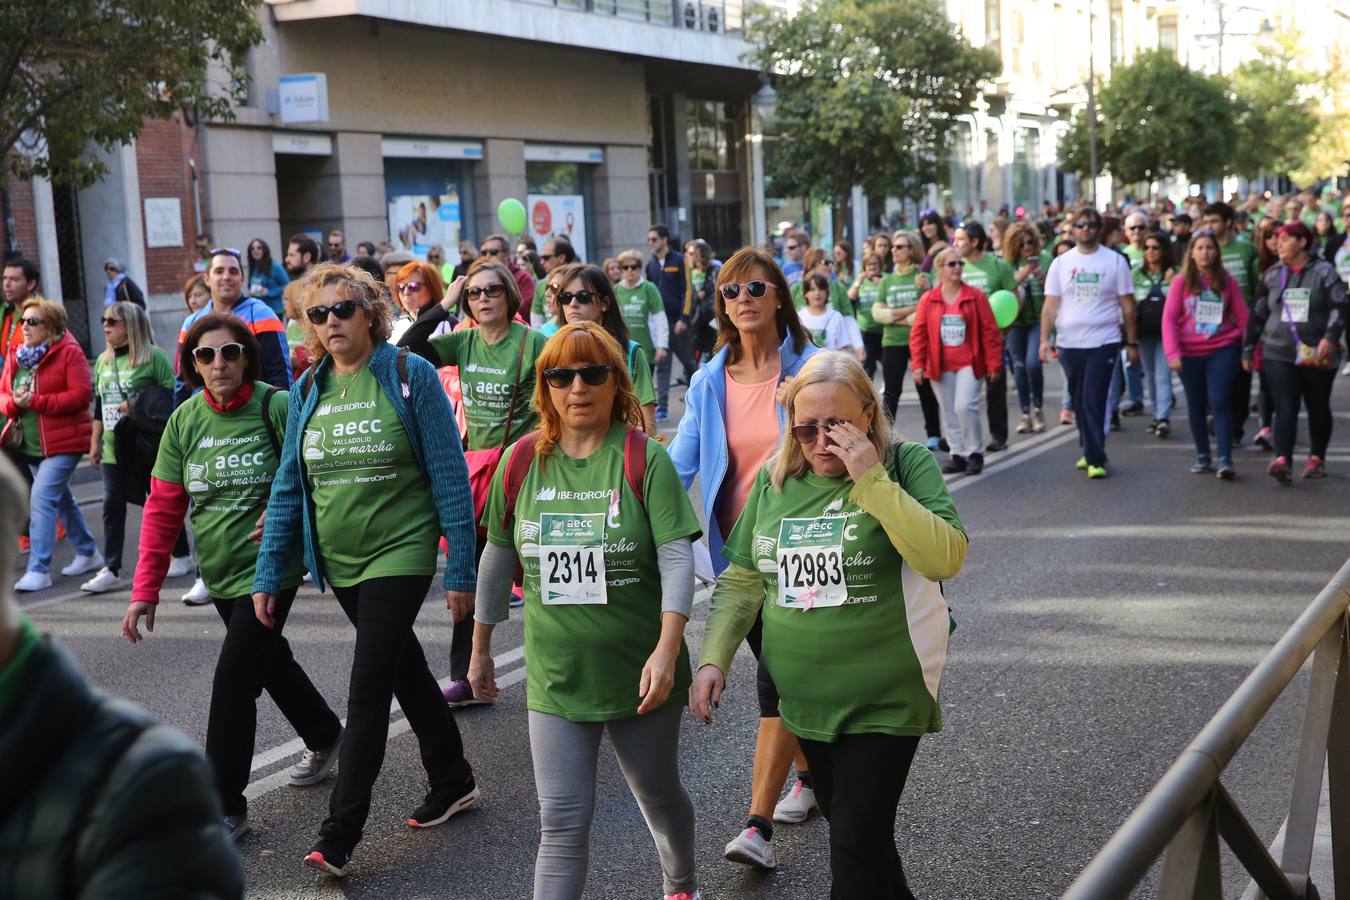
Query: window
(1117, 31)
(991, 23)
(1018, 42)
(1167, 33)
(710, 134)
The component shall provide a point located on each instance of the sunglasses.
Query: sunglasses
(594, 375)
(808, 432)
(585, 298)
(630, 267)
(792, 246)
(1087, 223)
(756, 289)
(229, 251)
(492, 290)
(653, 240)
(344, 310)
(500, 251)
(544, 256)
(410, 287)
(955, 264)
(1135, 228)
(110, 322)
(33, 321)
(206, 356)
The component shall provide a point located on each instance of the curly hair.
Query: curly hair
(351, 284)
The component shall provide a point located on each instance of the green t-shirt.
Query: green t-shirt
(838, 298)
(839, 669)
(1135, 255)
(225, 461)
(637, 304)
(32, 440)
(487, 373)
(989, 274)
(1033, 286)
(640, 370)
(584, 659)
(295, 333)
(539, 306)
(899, 291)
(868, 293)
(115, 382)
(373, 509)
(1242, 260)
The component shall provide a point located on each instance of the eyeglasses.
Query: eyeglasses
(593, 375)
(231, 352)
(33, 321)
(653, 240)
(110, 268)
(631, 267)
(492, 290)
(955, 264)
(500, 251)
(585, 298)
(110, 321)
(793, 246)
(344, 310)
(410, 287)
(1135, 228)
(807, 432)
(1087, 223)
(756, 289)
(544, 256)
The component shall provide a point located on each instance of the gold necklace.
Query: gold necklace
(350, 378)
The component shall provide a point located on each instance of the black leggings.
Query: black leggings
(254, 659)
(765, 690)
(1291, 385)
(894, 362)
(115, 499)
(387, 662)
(872, 346)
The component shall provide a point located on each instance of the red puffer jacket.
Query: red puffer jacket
(64, 388)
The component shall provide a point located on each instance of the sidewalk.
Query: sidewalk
(1322, 875)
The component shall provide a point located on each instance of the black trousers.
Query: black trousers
(1290, 386)
(996, 395)
(21, 463)
(461, 636)
(254, 659)
(858, 780)
(872, 357)
(894, 362)
(766, 692)
(1241, 402)
(115, 499)
(387, 662)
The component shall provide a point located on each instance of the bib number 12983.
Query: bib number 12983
(811, 563)
(572, 558)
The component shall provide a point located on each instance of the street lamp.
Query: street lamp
(1092, 105)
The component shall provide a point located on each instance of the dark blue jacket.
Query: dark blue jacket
(668, 276)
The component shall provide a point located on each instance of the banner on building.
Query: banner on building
(558, 215)
(416, 221)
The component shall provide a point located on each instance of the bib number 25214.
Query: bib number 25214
(572, 558)
(811, 563)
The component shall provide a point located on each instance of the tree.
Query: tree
(1274, 98)
(1329, 146)
(867, 92)
(75, 72)
(1156, 118)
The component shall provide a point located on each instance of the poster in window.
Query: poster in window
(558, 215)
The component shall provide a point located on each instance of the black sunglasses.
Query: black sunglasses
(808, 432)
(585, 298)
(1087, 223)
(631, 267)
(492, 290)
(231, 352)
(229, 251)
(110, 321)
(755, 289)
(33, 321)
(594, 375)
(343, 309)
(501, 251)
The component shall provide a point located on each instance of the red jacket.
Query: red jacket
(982, 333)
(63, 388)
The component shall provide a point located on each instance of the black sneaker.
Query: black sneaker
(236, 826)
(329, 858)
(442, 803)
(955, 465)
(1115, 420)
(1163, 428)
(994, 446)
(1132, 408)
(975, 465)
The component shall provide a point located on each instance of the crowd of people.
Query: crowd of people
(361, 421)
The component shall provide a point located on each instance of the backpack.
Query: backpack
(523, 454)
(267, 422)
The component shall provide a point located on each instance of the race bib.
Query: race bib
(1208, 313)
(953, 329)
(572, 558)
(811, 563)
(1297, 301)
(1086, 287)
(110, 402)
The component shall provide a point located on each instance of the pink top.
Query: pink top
(752, 431)
(1194, 325)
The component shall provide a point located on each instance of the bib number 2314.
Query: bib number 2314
(811, 563)
(572, 558)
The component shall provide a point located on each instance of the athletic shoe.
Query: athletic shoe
(1345, 369)
(1115, 420)
(1163, 429)
(198, 595)
(1096, 471)
(684, 895)
(33, 581)
(1226, 471)
(308, 577)
(517, 599)
(1132, 409)
(797, 805)
(442, 803)
(314, 765)
(955, 465)
(1316, 468)
(1264, 440)
(236, 826)
(1082, 462)
(1024, 424)
(327, 858)
(661, 415)
(938, 444)
(1066, 417)
(25, 544)
(943, 445)
(1037, 420)
(749, 848)
(180, 566)
(459, 693)
(1279, 470)
(995, 446)
(1202, 466)
(975, 465)
(105, 580)
(83, 563)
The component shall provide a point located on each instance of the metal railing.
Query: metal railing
(1187, 812)
(716, 16)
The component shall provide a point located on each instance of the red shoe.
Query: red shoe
(1279, 470)
(1316, 468)
(25, 544)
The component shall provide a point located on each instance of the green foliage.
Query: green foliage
(74, 72)
(1275, 99)
(1155, 118)
(867, 93)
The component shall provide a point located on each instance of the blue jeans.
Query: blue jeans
(1023, 344)
(1208, 381)
(1159, 377)
(1134, 382)
(52, 497)
(1089, 372)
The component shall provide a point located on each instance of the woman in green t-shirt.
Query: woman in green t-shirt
(130, 362)
(642, 308)
(864, 293)
(220, 451)
(604, 652)
(900, 293)
(841, 543)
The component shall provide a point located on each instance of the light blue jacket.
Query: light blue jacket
(700, 445)
(431, 429)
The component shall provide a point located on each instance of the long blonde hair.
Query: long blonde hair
(788, 460)
(139, 340)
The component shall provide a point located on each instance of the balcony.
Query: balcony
(716, 16)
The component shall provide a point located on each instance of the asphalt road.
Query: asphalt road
(1100, 625)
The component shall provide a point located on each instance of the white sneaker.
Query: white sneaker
(198, 596)
(797, 805)
(180, 566)
(749, 848)
(33, 581)
(81, 564)
(105, 580)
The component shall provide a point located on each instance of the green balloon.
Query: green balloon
(511, 213)
(1004, 304)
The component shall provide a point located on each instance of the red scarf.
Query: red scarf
(242, 397)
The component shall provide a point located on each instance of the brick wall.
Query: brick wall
(163, 149)
(21, 205)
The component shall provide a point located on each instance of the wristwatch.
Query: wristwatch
(1131, 343)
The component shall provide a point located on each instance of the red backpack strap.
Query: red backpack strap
(635, 462)
(517, 467)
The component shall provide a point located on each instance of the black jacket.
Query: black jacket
(129, 292)
(99, 801)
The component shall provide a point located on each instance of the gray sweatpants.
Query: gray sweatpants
(565, 755)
